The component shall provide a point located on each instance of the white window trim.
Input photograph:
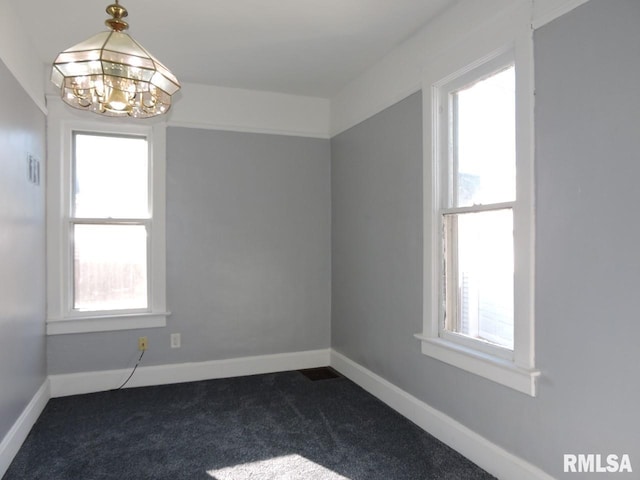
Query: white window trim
(511, 32)
(61, 319)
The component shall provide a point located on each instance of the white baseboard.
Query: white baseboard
(90, 382)
(476, 448)
(14, 439)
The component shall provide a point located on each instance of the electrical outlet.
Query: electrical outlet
(143, 343)
(175, 340)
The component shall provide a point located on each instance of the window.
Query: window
(478, 270)
(106, 243)
(110, 220)
(476, 212)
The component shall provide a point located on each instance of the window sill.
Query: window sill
(106, 323)
(490, 367)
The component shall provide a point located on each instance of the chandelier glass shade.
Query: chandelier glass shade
(112, 74)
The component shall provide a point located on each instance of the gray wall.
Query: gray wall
(248, 254)
(376, 183)
(588, 234)
(587, 261)
(22, 264)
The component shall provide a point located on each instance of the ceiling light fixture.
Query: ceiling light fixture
(112, 74)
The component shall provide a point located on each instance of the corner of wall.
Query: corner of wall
(14, 439)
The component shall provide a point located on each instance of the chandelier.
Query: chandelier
(112, 74)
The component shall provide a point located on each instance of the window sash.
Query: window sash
(147, 222)
(74, 168)
(71, 310)
(477, 208)
(449, 326)
(447, 186)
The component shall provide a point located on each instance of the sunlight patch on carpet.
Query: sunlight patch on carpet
(287, 467)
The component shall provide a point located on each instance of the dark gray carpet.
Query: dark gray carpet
(276, 426)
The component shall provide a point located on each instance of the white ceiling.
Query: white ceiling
(302, 47)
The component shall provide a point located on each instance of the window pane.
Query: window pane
(111, 176)
(110, 267)
(484, 141)
(479, 269)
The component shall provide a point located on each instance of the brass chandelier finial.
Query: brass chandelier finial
(117, 12)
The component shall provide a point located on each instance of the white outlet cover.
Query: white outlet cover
(175, 340)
